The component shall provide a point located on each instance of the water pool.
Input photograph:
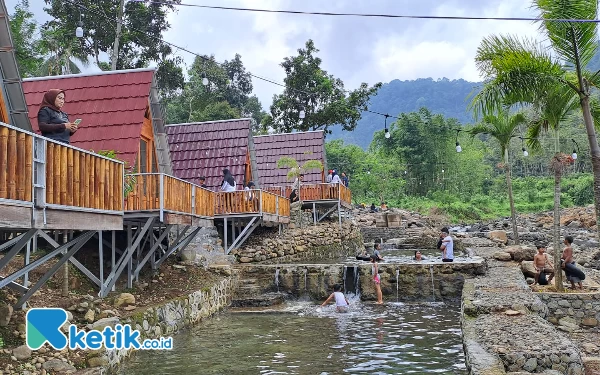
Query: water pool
(394, 338)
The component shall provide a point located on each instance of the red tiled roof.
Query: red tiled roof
(112, 107)
(301, 146)
(206, 148)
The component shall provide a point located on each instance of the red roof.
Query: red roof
(206, 148)
(111, 105)
(301, 146)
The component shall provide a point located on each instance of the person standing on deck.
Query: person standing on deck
(228, 184)
(52, 121)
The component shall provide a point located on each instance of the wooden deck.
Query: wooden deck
(172, 200)
(270, 207)
(320, 194)
(50, 185)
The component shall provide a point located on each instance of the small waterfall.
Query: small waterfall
(344, 279)
(356, 282)
(305, 280)
(397, 281)
(432, 284)
(277, 279)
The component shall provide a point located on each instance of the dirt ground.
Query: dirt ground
(171, 281)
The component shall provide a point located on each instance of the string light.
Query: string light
(387, 132)
(458, 148)
(79, 29)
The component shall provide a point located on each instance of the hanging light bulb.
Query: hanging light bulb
(387, 133)
(79, 30)
(302, 114)
(204, 79)
(574, 155)
(458, 148)
(525, 153)
(442, 171)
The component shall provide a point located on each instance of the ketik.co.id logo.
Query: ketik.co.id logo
(43, 325)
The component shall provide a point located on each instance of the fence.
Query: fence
(251, 202)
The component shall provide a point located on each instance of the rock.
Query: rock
(124, 299)
(527, 268)
(105, 322)
(58, 365)
(589, 348)
(130, 308)
(90, 371)
(530, 364)
(503, 256)
(498, 235)
(574, 224)
(179, 267)
(590, 322)
(188, 255)
(97, 361)
(568, 322)
(520, 253)
(21, 353)
(512, 312)
(245, 260)
(106, 314)
(89, 316)
(6, 312)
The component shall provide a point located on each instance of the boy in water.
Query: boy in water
(542, 264)
(341, 302)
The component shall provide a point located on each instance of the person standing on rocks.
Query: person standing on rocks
(447, 247)
(540, 261)
(568, 264)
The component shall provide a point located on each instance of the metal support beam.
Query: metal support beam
(125, 258)
(23, 240)
(16, 286)
(224, 235)
(248, 229)
(80, 241)
(152, 250)
(314, 215)
(329, 212)
(11, 242)
(339, 208)
(179, 246)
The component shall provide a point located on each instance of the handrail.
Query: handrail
(254, 201)
(37, 170)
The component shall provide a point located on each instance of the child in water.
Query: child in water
(341, 302)
(377, 280)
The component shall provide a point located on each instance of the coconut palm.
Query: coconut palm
(503, 127)
(521, 71)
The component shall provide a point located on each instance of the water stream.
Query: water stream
(277, 279)
(397, 282)
(392, 339)
(432, 284)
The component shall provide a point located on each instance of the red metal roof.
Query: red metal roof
(301, 146)
(206, 148)
(111, 105)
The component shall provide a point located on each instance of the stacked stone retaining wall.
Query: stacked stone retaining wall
(582, 308)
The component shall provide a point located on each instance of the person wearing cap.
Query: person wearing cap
(447, 247)
(542, 264)
(329, 176)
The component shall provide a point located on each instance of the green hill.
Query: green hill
(443, 96)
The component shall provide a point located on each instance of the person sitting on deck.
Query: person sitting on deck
(52, 121)
(228, 184)
(295, 203)
(203, 182)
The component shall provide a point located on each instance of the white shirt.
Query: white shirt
(336, 180)
(228, 188)
(339, 299)
(449, 247)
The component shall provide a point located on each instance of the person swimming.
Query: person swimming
(341, 302)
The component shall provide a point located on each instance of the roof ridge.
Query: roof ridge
(102, 73)
(291, 133)
(209, 122)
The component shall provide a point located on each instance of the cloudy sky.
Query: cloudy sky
(355, 49)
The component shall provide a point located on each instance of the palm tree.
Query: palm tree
(503, 127)
(523, 72)
(62, 53)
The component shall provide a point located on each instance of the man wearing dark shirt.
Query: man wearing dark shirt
(203, 182)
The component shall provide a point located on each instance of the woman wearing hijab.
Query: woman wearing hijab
(228, 184)
(52, 121)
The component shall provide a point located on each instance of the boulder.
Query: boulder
(104, 322)
(498, 235)
(58, 366)
(503, 256)
(527, 268)
(89, 316)
(520, 253)
(188, 255)
(22, 352)
(6, 311)
(124, 299)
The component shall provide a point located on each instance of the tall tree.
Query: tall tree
(26, 39)
(523, 72)
(139, 42)
(62, 54)
(503, 127)
(319, 94)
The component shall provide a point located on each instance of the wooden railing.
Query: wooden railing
(164, 193)
(317, 192)
(72, 178)
(277, 190)
(16, 163)
(345, 194)
(251, 202)
(81, 179)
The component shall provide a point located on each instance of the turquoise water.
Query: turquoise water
(302, 339)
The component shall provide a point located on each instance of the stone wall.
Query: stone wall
(313, 242)
(413, 283)
(206, 243)
(166, 319)
(570, 309)
(370, 234)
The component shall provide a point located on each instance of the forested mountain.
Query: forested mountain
(443, 96)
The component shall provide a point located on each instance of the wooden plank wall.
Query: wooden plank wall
(205, 202)
(16, 163)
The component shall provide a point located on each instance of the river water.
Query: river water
(301, 338)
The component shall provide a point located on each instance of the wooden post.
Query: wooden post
(87, 169)
(49, 172)
(63, 175)
(76, 178)
(70, 177)
(101, 182)
(93, 183)
(20, 166)
(108, 195)
(56, 175)
(29, 169)
(3, 162)
(12, 166)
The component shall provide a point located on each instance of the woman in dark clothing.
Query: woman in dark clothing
(228, 184)
(52, 121)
